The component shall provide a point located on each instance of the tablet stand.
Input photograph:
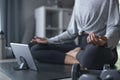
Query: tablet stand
(23, 65)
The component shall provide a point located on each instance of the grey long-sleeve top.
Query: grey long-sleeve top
(98, 16)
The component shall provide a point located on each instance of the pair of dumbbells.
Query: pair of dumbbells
(78, 72)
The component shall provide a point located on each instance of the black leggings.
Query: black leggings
(91, 56)
(51, 53)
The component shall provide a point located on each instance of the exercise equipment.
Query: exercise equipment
(79, 73)
(75, 71)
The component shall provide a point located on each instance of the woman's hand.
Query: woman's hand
(39, 40)
(96, 40)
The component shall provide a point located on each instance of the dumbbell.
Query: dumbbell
(78, 70)
(109, 74)
(94, 77)
(75, 71)
(89, 77)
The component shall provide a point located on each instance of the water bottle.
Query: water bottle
(2, 45)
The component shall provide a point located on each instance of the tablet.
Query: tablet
(23, 56)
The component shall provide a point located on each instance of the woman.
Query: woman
(97, 24)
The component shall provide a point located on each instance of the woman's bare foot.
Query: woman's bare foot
(73, 52)
(70, 57)
(70, 60)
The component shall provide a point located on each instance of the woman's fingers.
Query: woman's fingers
(96, 40)
(102, 40)
(92, 38)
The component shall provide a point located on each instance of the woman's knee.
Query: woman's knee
(93, 49)
(96, 53)
(37, 47)
(33, 48)
(91, 57)
(36, 50)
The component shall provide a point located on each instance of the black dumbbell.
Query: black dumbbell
(75, 71)
(89, 77)
(108, 77)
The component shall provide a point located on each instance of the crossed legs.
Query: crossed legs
(91, 57)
